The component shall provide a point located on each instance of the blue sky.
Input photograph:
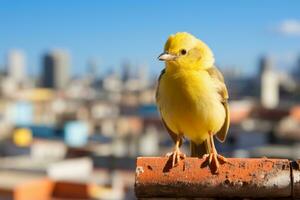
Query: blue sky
(110, 31)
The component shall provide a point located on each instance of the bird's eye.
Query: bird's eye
(182, 51)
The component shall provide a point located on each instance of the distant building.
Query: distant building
(296, 72)
(56, 66)
(143, 76)
(15, 64)
(92, 73)
(298, 64)
(239, 85)
(126, 71)
(112, 83)
(92, 67)
(269, 84)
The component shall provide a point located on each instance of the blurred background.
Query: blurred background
(78, 78)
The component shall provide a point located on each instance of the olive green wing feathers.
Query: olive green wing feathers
(218, 77)
(157, 88)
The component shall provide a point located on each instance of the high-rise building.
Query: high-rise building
(56, 69)
(15, 64)
(143, 76)
(92, 67)
(269, 84)
(126, 71)
(297, 70)
(92, 73)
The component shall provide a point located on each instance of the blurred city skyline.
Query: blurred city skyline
(111, 32)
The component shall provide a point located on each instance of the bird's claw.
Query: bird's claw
(214, 160)
(176, 156)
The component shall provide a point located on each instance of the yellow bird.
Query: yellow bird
(192, 98)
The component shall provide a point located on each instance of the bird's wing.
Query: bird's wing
(171, 133)
(218, 77)
(157, 88)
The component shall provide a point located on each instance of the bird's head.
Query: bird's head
(185, 51)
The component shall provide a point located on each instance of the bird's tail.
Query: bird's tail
(198, 150)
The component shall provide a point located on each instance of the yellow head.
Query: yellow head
(185, 51)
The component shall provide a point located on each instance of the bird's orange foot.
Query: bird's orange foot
(176, 156)
(214, 161)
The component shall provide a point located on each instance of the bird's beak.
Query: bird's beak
(166, 57)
